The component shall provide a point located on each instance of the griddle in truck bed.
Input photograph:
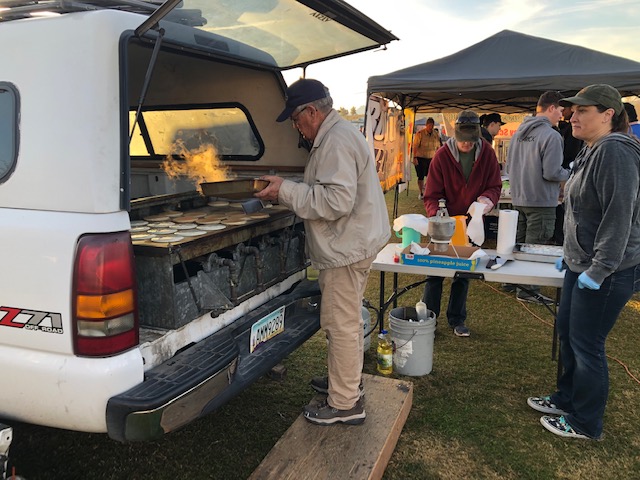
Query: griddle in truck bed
(178, 282)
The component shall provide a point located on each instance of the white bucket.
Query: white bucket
(366, 320)
(413, 341)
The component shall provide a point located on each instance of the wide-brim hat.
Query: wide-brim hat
(301, 92)
(467, 127)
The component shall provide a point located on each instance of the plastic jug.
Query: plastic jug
(460, 238)
(422, 311)
(408, 235)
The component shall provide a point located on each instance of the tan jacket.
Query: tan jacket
(426, 144)
(340, 198)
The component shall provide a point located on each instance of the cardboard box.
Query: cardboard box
(457, 259)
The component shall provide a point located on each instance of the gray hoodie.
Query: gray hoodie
(602, 208)
(534, 164)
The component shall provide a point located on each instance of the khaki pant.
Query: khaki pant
(341, 319)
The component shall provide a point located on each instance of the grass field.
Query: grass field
(469, 417)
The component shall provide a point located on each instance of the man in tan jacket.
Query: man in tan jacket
(346, 221)
(425, 144)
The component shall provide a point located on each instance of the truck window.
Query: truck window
(166, 131)
(8, 129)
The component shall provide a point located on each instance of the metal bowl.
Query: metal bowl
(236, 189)
(441, 229)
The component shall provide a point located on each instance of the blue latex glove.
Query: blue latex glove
(560, 265)
(585, 281)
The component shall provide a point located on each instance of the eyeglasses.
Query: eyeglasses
(294, 118)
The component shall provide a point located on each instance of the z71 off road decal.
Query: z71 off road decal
(48, 322)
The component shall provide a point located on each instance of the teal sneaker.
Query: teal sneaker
(559, 426)
(544, 405)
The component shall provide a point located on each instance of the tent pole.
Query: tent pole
(396, 196)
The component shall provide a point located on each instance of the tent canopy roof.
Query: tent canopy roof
(506, 73)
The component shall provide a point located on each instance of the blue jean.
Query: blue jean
(457, 308)
(585, 318)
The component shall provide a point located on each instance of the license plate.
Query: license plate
(266, 328)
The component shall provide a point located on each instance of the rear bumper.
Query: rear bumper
(205, 376)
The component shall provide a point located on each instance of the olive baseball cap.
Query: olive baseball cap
(598, 94)
(467, 128)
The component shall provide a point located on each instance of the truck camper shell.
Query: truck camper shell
(133, 336)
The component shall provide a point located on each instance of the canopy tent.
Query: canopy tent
(505, 73)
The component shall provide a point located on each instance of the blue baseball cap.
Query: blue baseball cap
(301, 92)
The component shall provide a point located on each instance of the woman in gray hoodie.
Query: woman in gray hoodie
(601, 255)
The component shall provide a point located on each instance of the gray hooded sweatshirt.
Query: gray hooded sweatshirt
(534, 164)
(602, 208)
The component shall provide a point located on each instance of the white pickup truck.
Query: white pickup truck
(111, 318)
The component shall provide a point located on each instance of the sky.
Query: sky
(432, 29)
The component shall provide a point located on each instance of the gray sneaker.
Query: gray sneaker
(324, 414)
(321, 385)
(537, 298)
(461, 331)
(544, 405)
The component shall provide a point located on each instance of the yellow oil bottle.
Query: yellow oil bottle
(385, 354)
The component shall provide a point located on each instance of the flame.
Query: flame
(200, 164)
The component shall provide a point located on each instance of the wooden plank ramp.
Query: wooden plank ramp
(343, 451)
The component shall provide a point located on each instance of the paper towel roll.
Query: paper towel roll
(507, 227)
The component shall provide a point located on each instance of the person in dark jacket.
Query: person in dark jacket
(464, 170)
(601, 257)
(491, 124)
(570, 149)
(572, 145)
(634, 126)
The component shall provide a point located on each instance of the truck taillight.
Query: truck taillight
(104, 295)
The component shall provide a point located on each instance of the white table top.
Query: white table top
(514, 271)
